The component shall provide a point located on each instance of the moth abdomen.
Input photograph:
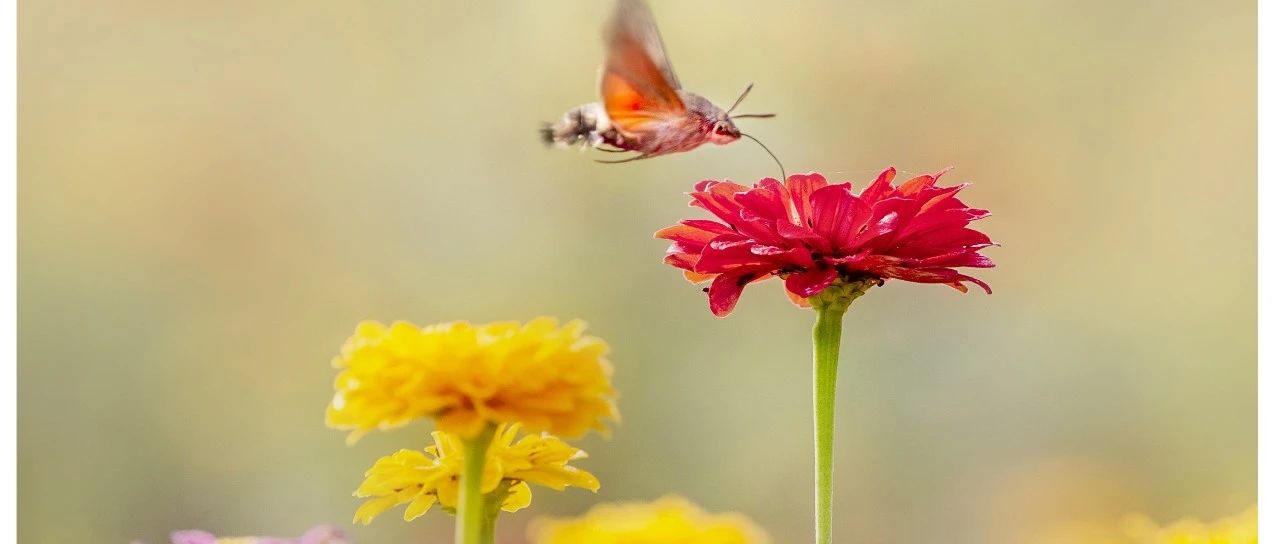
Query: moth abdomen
(586, 125)
(548, 134)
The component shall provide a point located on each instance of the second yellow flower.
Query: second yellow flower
(542, 375)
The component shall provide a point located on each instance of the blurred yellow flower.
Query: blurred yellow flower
(544, 376)
(1238, 529)
(423, 478)
(668, 520)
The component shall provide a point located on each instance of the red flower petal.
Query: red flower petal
(727, 288)
(941, 241)
(886, 216)
(805, 236)
(759, 227)
(915, 185)
(945, 194)
(695, 277)
(693, 231)
(937, 275)
(799, 301)
(875, 263)
(921, 275)
(838, 215)
(801, 186)
(727, 253)
(767, 201)
(958, 258)
(977, 282)
(684, 261)
(717, 198)
(879, 188)
(810, 282)
(936, 220)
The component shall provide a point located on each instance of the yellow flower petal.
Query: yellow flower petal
(372, 508)
(419, 506)
(517, 498)
(461, 422)
(447, 492)
(422, 478)
(669, 520)
(1238, 529)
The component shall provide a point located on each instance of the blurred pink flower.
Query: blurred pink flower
(322, 534)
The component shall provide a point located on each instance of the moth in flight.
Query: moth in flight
(642, 107)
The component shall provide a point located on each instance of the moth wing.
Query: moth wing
(638, 85)
(632, 21)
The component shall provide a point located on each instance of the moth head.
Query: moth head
(724, 131)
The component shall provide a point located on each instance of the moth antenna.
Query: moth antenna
(740, 97)
(766, 150)
(753, 116)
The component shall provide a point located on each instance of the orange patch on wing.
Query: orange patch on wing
(635, 90)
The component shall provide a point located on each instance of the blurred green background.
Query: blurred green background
(213, 194)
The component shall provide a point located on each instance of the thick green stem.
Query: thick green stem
(831, 305)
(474, 524)
(826, 356)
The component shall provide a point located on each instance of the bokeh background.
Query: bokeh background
(213, 194)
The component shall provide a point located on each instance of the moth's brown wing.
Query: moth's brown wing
(638, 86)
(633, 21)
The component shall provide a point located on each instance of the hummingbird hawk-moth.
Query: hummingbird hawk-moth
(643, 109)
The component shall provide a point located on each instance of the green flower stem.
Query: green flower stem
(474, 524)
(492, 506)
(831, 306)
(487, 535)
(826, 356)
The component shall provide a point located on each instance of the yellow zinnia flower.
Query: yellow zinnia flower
(541, 375)
(1238, 529)
(669, 520)
(422, 478)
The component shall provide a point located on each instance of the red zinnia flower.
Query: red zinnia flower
(811, 234)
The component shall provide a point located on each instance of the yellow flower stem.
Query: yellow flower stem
(488, 534)
(474, 523)
(492, 506)
(826, 356)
